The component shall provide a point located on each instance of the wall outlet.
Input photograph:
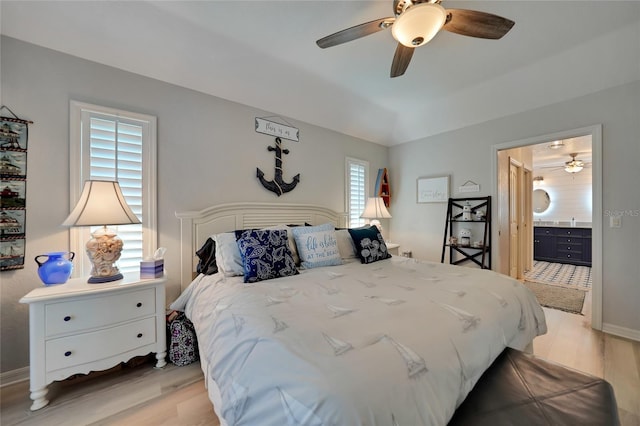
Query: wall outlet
(615, 221)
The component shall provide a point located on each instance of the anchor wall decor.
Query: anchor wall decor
(278, 185)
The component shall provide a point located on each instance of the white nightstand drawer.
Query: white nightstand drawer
(88, 347)
(78, 315)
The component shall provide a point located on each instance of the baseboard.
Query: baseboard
(14, 376)
(628, 333)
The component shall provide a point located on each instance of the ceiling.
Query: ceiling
(263, 54)
(552, 155)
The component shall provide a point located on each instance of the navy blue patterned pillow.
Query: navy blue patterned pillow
(265, 255)
(369, 243)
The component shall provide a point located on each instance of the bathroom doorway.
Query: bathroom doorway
(560, 273)
(559, 242)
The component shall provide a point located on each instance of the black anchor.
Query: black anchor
(278, 185)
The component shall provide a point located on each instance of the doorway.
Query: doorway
(512, 217)
(562, 216)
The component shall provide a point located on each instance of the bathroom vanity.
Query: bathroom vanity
(562, 244)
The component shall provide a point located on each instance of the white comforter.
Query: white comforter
(397, 342)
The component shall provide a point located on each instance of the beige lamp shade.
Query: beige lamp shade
(101, 203)
(375, 209)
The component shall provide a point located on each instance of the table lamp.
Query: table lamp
(374, 210)
(102, 203)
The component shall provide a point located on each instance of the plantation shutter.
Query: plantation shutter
(116, 154)
(357, 172)
(115, 145)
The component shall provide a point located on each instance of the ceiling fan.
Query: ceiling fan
(573, 166)
(416, 22)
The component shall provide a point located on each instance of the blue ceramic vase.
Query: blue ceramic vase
(57, 268)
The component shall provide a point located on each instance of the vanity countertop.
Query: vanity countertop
(561, 225)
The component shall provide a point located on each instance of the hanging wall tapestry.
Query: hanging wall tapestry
(14, 134)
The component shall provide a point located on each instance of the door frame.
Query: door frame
(596, 197)
(515, 190)
(527, 220)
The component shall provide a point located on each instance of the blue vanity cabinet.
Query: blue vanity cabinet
(586, 247)
(544, 244)
(562, 245)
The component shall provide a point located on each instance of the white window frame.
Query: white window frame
(79, 169)
(349, 161)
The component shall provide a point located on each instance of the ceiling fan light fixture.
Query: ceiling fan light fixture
(419, 24)
(574, 167)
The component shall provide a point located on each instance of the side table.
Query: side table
(78, 327)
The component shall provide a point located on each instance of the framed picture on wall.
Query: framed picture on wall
(433, 189)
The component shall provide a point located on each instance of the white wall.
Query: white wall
(466, 154)
(208, 152)
(570, 195)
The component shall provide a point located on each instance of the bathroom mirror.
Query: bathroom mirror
(541, 200)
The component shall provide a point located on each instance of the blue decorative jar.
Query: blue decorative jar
(57, 268)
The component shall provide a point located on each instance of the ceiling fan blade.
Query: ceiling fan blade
(401, 60)
(473, 23)
(356, 32)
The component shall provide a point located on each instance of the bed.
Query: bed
(397, 341)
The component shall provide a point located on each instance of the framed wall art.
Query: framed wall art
(13, 185)
(433, 189)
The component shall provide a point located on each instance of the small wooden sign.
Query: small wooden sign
(469, 188)
(276, 129)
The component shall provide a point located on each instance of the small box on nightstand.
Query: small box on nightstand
(151, 268)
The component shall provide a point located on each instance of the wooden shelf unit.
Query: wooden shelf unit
(383, 187)
(458, 253)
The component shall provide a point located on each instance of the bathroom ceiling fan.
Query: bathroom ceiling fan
(573, 166)
(416, 22)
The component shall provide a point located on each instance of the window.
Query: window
(357, 176)
(110, 144)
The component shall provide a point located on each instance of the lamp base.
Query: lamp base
(104, 249)
(100, 280)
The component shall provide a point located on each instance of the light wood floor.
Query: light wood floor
(176, 396)
(139, 395)
(572, 342)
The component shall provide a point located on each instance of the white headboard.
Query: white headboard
(197, 226)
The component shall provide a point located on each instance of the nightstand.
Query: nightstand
(393, 248)
(78, 327)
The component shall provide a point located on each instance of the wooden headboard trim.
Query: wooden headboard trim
(197, 226)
